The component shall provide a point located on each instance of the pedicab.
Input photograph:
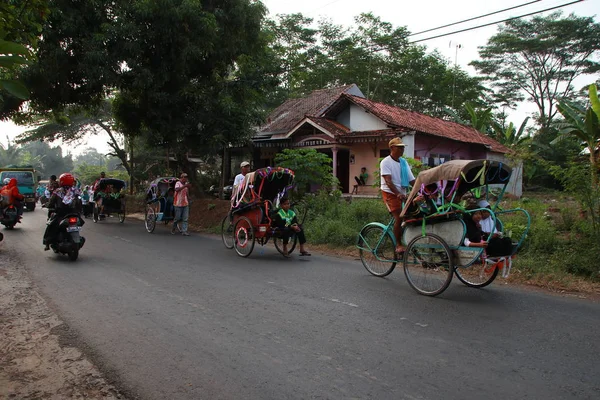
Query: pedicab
(253, 205)
(109, 199)
(159, 202)
(435, 249)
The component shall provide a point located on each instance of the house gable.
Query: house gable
(358, 119)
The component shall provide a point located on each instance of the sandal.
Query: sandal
(305, 253)
(286, 255)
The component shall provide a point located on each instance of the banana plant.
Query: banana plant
(13, 55)
(583, 123)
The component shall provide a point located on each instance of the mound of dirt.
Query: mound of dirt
(34, 363)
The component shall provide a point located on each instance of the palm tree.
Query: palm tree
(583, 124)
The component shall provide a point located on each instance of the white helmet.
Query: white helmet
(6, 181)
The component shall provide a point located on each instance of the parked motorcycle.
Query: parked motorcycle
(68, 239)
(9, 216)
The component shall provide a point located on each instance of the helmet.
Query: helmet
(6, 181)
(66, 180)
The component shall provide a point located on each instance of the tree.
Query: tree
(310, 168)
(584, 125)
(538, 59)
(20, 27)
(376, 56)
(197, 88)
(90, 156)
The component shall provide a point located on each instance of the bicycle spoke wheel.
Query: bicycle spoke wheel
(377, 248)
(243, 237)
(428, 264)
(150, 220)
(227, 232)
(477, 275)
(291, 244)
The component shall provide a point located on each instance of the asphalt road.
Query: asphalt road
(173, 317)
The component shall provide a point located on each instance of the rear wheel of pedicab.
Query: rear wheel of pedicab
(377, 250)
(227, 232)
(477, 275)
(428, 264)
(243, 237)
(278, 242)
(150, 220)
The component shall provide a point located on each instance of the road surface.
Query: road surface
(173, 317)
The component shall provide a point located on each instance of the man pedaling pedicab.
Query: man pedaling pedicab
(11, 192)
(64, 200)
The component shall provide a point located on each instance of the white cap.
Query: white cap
(244, 164)
(483, 204)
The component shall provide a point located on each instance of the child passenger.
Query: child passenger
(287, 221)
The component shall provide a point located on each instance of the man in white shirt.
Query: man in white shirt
(239, 178)
(396, 177)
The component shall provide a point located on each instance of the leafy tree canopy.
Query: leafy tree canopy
(538, 59)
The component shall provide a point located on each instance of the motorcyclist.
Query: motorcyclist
(11, 192)
(64, 200)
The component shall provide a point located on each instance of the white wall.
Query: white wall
(357, 119)
(515, 184)
(409, 141)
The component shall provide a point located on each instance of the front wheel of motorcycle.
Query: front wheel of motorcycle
(73, 254)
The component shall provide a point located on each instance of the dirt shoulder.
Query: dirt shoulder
(34, 363)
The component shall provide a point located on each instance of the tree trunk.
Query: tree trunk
(131, 164)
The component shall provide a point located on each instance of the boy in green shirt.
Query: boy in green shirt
(287, 221)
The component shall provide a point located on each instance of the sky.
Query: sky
(417, 16)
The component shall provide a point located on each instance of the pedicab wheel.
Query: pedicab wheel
(150, 220)
(73, 255)
(377, 250)
(477, 276)
(243, 237)
(279, 244)
(227, 232)
(428, 264)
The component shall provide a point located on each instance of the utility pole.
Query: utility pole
(457, 46)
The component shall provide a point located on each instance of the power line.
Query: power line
(474, 18)
(442, 35)
(496, 22)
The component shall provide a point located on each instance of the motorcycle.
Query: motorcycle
(68, 239)
(9, 216)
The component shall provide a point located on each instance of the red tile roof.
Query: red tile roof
(287, 115)
(395, 116)
(333, 127)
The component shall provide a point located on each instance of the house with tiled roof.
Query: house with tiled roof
(354, 132)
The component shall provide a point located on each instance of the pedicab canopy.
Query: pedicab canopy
(268, 183)
(115, 183)
(461, 176)
(160, 186)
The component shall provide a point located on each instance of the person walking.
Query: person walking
(181, 205)
(396, 177)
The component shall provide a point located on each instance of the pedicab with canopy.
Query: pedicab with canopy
(159, 203)
(113, 200)
(253, 205)
(435, 249)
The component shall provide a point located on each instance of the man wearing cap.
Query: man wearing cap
(396, 176)
(239, 178)
(181, 204)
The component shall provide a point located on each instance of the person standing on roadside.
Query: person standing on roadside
(396, 177)
(181, 204)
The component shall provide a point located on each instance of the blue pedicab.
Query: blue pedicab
(109, 190)
(159, 202)
(435, 249)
